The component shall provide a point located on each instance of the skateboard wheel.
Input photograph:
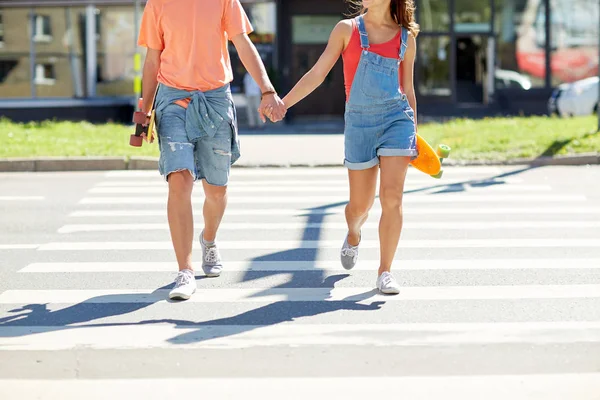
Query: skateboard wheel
(443, 151)
(135, 141)
(139, 117)
(438, 175)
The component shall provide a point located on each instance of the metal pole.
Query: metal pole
(74, 61)
(137, 58)
(91, 59)
(548, 58)
(32, 52)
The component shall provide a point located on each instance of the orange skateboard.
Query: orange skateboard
(429, 161)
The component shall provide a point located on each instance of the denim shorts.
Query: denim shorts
(205, 157)
(372, 133)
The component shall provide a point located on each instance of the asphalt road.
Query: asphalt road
(500, 269)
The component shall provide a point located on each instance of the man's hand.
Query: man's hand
(272, 107)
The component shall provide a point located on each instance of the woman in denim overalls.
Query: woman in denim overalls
(380, 129)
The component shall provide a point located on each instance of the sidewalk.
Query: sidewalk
(289, 150)
(267, 149)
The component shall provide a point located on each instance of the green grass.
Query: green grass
(69, 139)
(496, 139)
(502, 139)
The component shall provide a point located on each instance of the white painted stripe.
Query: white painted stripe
(290, 226)
(52, 338)
(309, 189)
(21, 198)
(134, 212)
(270, 295)
(318, 182)
(328, 244)
(473, 387)
(448, 170)
(292, 266)
(408, 199)
(17, 246)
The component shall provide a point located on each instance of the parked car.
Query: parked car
(511, 79)
(577, 98)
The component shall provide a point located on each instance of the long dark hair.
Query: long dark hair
(402, 11)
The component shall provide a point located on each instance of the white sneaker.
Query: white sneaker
(387, 284)
(211, 258)
(185, 285)
(348, 254)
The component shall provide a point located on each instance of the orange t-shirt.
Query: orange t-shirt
(193, 35)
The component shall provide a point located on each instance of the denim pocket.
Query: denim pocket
(379, 82)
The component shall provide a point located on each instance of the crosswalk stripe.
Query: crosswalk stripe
(21, 198)
(309, 189)
(328, 244)
(240, 172)
(96, 213)
(553, 386)
(287, 226)
(260, 295)
(291, 266)
(52, 338)
(319, 182)
(18, 246)
(342, 200)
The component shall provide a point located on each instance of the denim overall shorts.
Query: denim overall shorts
(379, 121)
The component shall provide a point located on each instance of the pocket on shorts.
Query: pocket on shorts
(170, 122)
(220, 144)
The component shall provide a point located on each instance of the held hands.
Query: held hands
(272, 107)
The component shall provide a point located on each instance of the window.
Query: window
(45, 74)
(42, 31)
(521, 57)
(434, 15)
(6, 67)
(1, 31)
(434, 66)
(472, 16)
(574, 42)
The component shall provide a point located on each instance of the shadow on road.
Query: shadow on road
(33, 315)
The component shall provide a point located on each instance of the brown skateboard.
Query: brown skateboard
(145, 128)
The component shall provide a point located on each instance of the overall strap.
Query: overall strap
(403, 43)
(362, 31)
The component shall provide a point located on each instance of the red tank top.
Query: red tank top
(351, 56)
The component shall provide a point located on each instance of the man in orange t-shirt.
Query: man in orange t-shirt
(188, 61)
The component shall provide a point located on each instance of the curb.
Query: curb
(54, 164)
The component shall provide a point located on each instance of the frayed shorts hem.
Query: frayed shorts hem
(166, 174)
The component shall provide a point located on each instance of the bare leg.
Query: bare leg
(214, 209)
(362, 195)
(393, 175)
(180, 216)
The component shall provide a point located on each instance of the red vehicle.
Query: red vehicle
(574, 40)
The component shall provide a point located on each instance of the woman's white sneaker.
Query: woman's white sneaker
(185, 285)
(387, 284)
(211, 258)
(348, 255)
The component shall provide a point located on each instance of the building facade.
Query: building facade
(79, 58)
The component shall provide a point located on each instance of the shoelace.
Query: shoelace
(183, 278)
(212, 255)
(386, 279)
(350, 252)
